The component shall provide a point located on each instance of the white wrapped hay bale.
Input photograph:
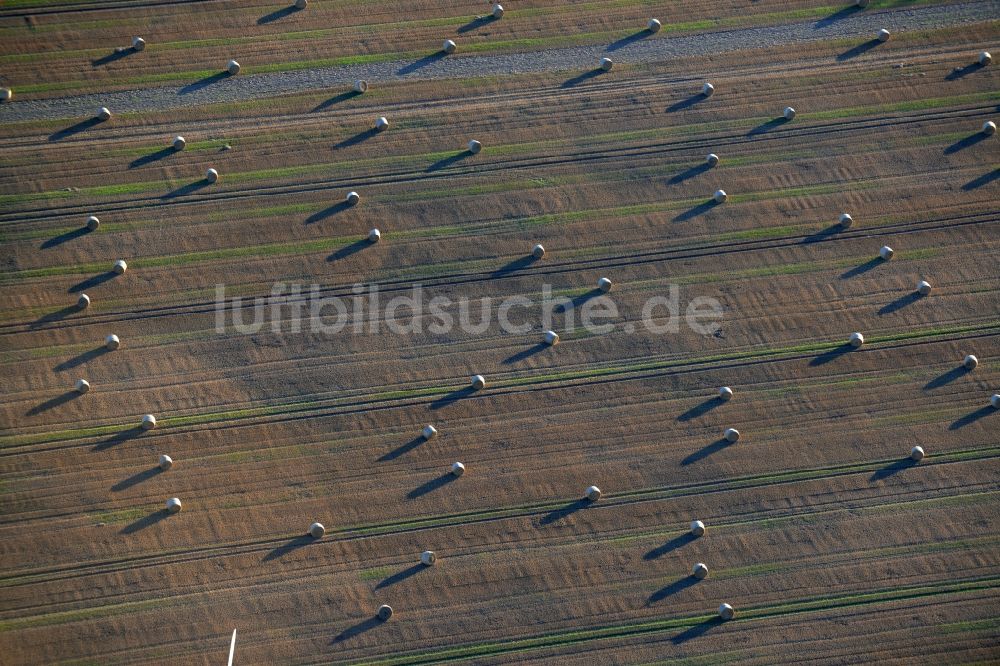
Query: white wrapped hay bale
(449, 46)
(104, 113)
(592, 493)
(138, 43)
(83, 302)
(112, 342)
(886, 252)
(551, 338)
(846, 221)
(725, 394)
(165, 462)
(352, 198)
(6, 94)
(538, 251)
(212, 176)
(970, 362)
(478, 382)
(474, 147)
(917, 453)
(384, 612)
(653, 25)
(361, 86)
(374, 236)
(120, 267)
(428, 558)
(712, 159)
(606, 64)
(726, 612)
(233, 67)
(457, 469)
(707, 89)
(856, 340)
(316, 530)
(720, 196)
(883, 35)
(732, 435)
(381, 124)
(989, 128)
(173, 505)
(93, 223)
(179, 143)
(700, 571)
(497, 10)
(697, 528)
(604, 284)
(429, 432)
(148, 422)
(81, 386)
(788, 113)
(984, 58)
(924, 287)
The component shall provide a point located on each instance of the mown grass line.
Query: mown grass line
(495, 47)
(623, 631)
(615, 138)
(305, 406)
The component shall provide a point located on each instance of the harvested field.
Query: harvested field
(257, 324)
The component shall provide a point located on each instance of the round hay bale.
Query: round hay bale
(607, 64)
(846, 220)
(707, 89)
(883, 35)
(352, 198)
(384, 612)
(120, 267)
(886, 252)
(604, 284)
(917, 453)
(732, 435)
(374, 235)
(592, 493)
(538, 251)
(449, 46)
(478, 382)
(720, 196)
(923, 287)
(995, 400)
(138, 43)
(700, 571)
(989, 128)
(551, 338)
(788, 113)
(212, 176)
(856, 340)
(316, 530)
(166, 462)
(233, 67)
(428, 558)
(381, 124)
(429, 432)
(81, 386)
(653, 25)
(148, 422)
(697, 528)
(474, 147)
(497, 10)
(93, 223)
(985, 58)
(725, 393)
(970, 362)
(173, 505)
(712, 159)
(6, 94)
(361, 86)
(457, 469)
(301, 4)
(726, 612)
(83, 302)
(112, 342)
(179, 143)
(104, 113)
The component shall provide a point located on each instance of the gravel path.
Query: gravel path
(849, 24)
